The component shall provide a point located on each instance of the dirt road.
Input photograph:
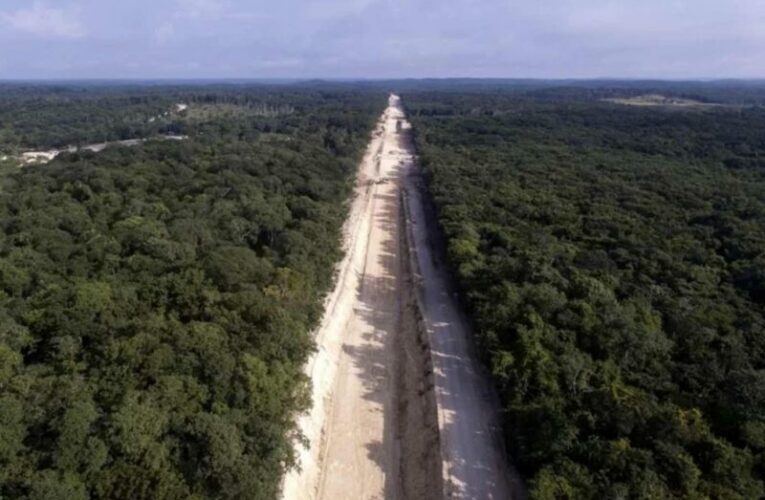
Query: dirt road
(373, 431)
(349, 430)
(474, 460)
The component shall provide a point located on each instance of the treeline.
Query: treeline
(728, 92)
(156, 302)
(45, 116)
(613, 261)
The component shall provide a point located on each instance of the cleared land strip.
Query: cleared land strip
(353, 451)
(475, 463)
(374, 430)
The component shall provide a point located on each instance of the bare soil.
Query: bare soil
(661, 101)
(401, 409)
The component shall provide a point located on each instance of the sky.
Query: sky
(668, 39)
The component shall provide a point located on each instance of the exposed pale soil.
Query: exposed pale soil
(400, 407)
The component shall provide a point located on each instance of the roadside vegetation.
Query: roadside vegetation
(156, 301)
(613, 261)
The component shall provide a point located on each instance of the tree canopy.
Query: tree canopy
(156, 301)
(612, 260)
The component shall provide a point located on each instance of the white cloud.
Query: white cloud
(43, 21)
(201, 8)
(164, 33)
(331, 9)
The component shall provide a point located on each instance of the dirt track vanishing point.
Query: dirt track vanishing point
(401, 408)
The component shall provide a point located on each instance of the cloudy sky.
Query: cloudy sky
(381, 38)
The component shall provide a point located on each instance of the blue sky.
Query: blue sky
(381, 38)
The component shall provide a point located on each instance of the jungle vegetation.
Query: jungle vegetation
(156, 301)
(612, 259)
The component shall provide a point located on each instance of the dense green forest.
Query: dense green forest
(613, 261)
(45, 116)
(156, 301)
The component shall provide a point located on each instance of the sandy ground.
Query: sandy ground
(658, 100)
(348, 448)
(475, 464)
(360, 448)
(374, 430)
(46, 156)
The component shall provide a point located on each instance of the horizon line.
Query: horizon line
(381, 79)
